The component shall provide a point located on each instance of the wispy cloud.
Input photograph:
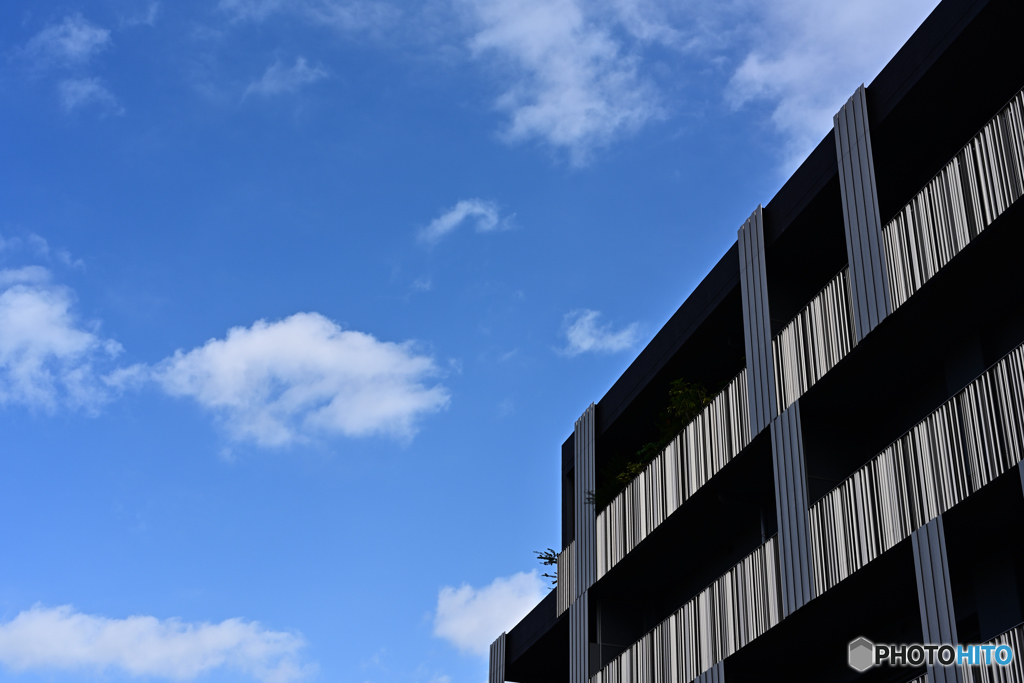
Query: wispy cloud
(471, 618)
(281, 382)
(342, 15)
(76, 93)
(807, 57)
(146, 17)
(570, 82)
(483, 213)
(279, 79)
(62, 639)
(585, 334)
(74, 41)
(47, 356)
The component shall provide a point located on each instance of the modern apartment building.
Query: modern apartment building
(858, 472)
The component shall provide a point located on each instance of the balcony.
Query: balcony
(963, 199)
(704, 446)
(963, 445)
(734, 610)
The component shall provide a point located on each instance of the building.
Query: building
(858, 475)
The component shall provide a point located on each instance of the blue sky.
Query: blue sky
(299, 299)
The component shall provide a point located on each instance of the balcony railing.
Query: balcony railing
(565, 585)
(966, 443)
(973, 189)
(737, 608)
(814, 341)
(704, 446)
(1011, 673)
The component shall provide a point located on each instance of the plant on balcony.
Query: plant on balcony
(684, 402)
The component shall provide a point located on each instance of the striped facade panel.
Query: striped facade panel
(963, 445)
(814, 341)
(963, 199)
(565, 585)
(791, 506)
(864, 248)
(584, 482)
(579, 642)
(1013, 673)
(496, 671)
(700, 450)
(935, 596)
(757, 330)
(734, 610)
(923, 678)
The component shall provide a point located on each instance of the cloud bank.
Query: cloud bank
(584, 334)
(276, 383)
(471, 618)
(59, 638)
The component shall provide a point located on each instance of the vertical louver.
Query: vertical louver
(579, 641)
(584, 454)
(496, 670)
(704, 446)
(973, 189)
(734, 610)
(814, 341)
(935, 595)
(757, 330)
(966, 443)
(864, 250)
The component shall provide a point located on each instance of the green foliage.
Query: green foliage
(547, 558)
(685, 401)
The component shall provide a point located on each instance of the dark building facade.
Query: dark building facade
(858, 472)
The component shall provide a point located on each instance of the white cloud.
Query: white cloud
(46, 355)
(483, 212)
(279, 79)
(343, 15)
(471, 618)
(59, 638)
(572, 85)
(83, 92)
(585, 334)
(73, 41)
(809, 56)
(280, 382)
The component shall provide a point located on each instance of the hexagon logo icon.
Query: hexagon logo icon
(862, 654)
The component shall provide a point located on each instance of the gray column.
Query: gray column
(579, 645)
(715, 674)
(586, 515)
(496, 672)
(938, 624)
(795, 571)
(869, 282)
(757, 329)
